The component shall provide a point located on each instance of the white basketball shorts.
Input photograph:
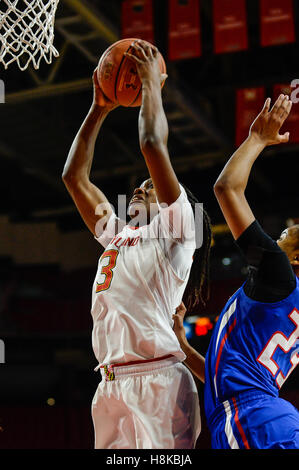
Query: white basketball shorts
(153, 405)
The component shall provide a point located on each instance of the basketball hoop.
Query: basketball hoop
(27, 32)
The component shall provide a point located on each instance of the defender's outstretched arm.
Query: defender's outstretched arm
(231, 184)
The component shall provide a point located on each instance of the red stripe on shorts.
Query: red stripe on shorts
(239, 426)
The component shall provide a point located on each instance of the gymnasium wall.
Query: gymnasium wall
(43, 243)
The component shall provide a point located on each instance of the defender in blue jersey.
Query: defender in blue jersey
(255, 344)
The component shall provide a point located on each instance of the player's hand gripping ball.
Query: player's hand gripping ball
(118, 76)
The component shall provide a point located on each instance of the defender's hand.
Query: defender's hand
(178, 326)
(99, 98)
(268, 123)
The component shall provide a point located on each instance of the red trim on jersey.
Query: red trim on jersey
(224, 339)
(133, 363)
(133, 228)
(239, 426)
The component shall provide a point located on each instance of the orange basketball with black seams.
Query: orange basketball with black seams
(118, 76)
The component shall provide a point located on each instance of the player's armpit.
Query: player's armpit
(177, 220)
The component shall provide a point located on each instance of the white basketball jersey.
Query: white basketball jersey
(140, 281)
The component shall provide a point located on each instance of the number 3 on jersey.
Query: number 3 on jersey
(111, 256)
(279, 340)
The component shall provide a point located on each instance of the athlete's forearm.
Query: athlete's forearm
(152, 123)
(194, 361)
(153, 126)
(80, 157)
(235, 174)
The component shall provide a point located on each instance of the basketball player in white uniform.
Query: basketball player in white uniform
(147, 399)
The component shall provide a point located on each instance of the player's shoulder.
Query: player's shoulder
(108, 229)
(255, 238)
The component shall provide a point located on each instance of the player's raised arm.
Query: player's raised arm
(194, 361)
(76, 173)
(231, 184)
(153, 126)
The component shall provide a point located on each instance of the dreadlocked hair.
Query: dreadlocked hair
(199, 280)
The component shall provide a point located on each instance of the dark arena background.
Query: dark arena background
(223, 59)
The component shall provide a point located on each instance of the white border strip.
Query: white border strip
(232, 441)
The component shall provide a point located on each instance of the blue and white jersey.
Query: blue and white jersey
(254, 347)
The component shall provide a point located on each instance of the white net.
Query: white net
(27, 32)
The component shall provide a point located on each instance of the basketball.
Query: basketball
(118, 76)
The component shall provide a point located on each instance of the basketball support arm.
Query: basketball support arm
(76, 173)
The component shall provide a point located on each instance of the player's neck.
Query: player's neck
(138, 222)
(134, 224)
